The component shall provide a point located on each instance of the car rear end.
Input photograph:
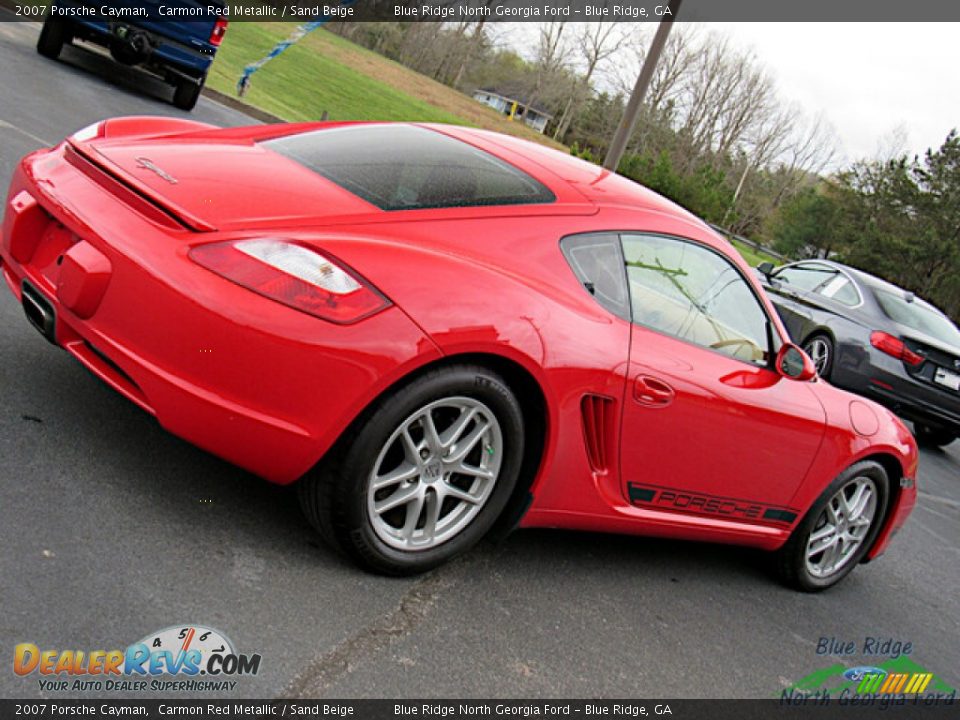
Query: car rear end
(917, 379)
(177, 40)
(912, 364)
(103, 268)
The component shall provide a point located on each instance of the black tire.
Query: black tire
(791, 559)
(932, 436)
(52, 37)
(334, 495)
(822, 341)
(186, 94)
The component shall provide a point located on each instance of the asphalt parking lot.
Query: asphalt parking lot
(111, 529)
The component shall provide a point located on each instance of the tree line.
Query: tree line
(898, 218)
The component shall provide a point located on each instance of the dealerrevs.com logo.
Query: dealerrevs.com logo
(185, 658)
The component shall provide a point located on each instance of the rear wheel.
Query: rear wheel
(423, 476)
(837, 531)
(186, 94)
(52, 37)
(820, 349)
(932, 436)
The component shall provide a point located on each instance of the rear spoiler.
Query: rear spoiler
(183, 217)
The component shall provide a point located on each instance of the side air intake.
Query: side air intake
(597, 413)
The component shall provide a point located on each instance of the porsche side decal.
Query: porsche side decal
(664, 498)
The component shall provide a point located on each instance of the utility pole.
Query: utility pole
(629, 119)
(736, 195)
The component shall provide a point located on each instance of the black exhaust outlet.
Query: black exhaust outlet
(39, 311)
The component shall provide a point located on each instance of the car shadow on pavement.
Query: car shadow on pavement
(644, 559)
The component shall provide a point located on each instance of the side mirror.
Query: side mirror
(766, 268)
(794, 363)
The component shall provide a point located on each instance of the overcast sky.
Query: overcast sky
(867, 79)
(871, 81)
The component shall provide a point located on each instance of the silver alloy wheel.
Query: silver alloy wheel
(435, 473)
(819, 351)
(842, 527)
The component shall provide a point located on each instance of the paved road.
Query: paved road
(110, 528)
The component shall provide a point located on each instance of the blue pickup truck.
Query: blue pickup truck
(148, 33)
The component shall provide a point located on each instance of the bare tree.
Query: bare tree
(794, 153)
(550, 60)
(727, 96)
(475, 43)
(596, 42)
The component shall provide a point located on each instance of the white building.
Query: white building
(512, 107)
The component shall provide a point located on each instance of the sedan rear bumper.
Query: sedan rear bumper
(913, 409)
(883, 379)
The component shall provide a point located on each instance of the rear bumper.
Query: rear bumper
(166, 53)
(883, 379)
(254, 382)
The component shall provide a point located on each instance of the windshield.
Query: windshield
(918, 316)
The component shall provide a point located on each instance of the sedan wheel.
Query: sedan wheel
(423, 474)
(820, 350)
(838, 530)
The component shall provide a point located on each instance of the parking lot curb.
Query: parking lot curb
(235, 104)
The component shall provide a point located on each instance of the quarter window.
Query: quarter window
(841, 290)
(598, 265)
(693, 293)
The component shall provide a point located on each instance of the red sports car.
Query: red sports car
(440, 332)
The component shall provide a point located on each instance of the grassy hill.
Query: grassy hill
(325, 72)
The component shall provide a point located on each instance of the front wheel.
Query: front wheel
(424, 475)
(837, 531)
(932, 436)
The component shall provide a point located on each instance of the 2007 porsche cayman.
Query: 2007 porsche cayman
(439, 332)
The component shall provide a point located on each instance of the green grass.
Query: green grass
(754, 257)
(302, 83)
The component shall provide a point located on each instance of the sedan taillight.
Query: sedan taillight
(294, 275)
(219, 30)
(894, 346)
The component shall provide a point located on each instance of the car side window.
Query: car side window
(686, 290)
(805, 277)
(841, 290)
(597, 262)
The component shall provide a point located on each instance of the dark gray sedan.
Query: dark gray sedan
(875, 339)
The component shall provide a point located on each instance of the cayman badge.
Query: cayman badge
(148, 164)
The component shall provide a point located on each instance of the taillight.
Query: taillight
(219, 30)
(294, 275)
(894, 346)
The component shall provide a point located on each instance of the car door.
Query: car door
(708, 426)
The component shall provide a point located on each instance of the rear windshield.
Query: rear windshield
(917, 316)
(402, 167)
